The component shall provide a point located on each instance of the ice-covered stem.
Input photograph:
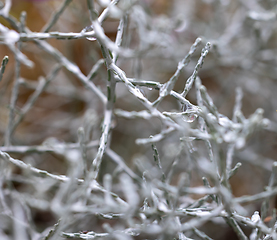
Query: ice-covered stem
(42, 173)
(103, 143)
(202, 123)
(3, 66)
(120, 33)
(30, 36)
(158, 160)
(204, 217)
(83, 149)
(208, 100)
(229, 160)
(155, 138)
(199, 64)
(273, 178)
(111, 84)
(15, 90)
(233, 171)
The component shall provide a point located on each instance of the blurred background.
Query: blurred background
(244, 40)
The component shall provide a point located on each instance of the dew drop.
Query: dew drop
(189, 113)
(189, 117)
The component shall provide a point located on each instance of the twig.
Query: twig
(119, 36)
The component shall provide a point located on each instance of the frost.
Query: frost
(8, 36)
(256, 217)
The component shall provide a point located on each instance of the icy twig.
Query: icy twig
(58, 147)
(42, 173)
(155, 138)
(133, 114)
(199, 64)
(119, 36)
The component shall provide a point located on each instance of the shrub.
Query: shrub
(136, 126)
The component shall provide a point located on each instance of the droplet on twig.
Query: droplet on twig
(189, 117)
(189, 113)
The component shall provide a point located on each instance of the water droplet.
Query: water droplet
(89, 29)
(189, 113)
(189, 117)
